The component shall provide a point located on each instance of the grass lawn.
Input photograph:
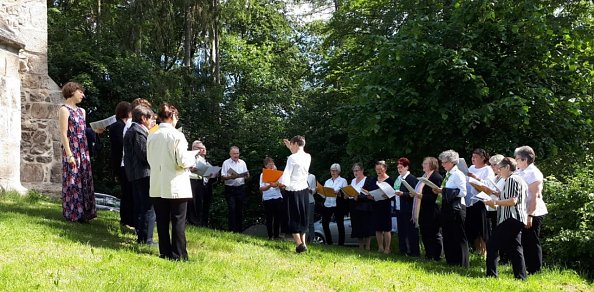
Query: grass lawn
(41, 251)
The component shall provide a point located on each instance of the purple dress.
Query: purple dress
(78, 196)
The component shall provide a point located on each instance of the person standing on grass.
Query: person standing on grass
(272, 199)
(234, 171)
(337, 206)
(78, 193)
(170, 187)
(294, 181)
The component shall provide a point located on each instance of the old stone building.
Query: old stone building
(30, 152)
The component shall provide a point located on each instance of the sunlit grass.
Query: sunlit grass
(41, 251)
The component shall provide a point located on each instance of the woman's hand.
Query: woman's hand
(72, 161)
(399, 193)
(437, 190)
(415, 194)
(490, 203)
(470, 174)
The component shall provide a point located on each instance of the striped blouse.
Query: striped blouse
(514, 187)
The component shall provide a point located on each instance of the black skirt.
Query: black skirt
(477, 224)
(382, 215)
(296, 204)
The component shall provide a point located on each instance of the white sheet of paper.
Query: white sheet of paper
(462, 166)
(212, 171)
(428, 182)
(102, 124)
(481, 197)
(387, 189)
(408, 186)
(377, 194)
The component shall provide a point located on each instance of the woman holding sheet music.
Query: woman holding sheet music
(477, 226)
(408, 232)
(382, 209)
(453, 210)
(336, 206)
(511, 219)
(361, 209)
(429, 214)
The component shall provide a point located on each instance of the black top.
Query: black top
(116, 138)
(429, 197)
(135, 160)
(406, 201)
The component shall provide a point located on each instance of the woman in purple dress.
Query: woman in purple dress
(78, 197)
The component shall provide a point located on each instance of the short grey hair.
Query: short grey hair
(495, 159)
(139, 112)
(196, 142)
(525, 152)
(449, 155)
(335, 166)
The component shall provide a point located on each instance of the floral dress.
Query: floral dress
(78, 196)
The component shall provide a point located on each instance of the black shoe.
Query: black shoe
(300, 248)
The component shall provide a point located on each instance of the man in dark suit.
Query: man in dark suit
(116, 137)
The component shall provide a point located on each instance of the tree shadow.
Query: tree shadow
(97, 233)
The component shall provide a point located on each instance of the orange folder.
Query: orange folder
(271, 175)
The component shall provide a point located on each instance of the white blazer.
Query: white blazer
(169, 159)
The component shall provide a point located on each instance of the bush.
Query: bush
(569, 228)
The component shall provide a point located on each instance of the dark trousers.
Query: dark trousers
(199, 206)
(531, 245)
(235, 197)
(143, 207)
(430, 233)
(310, 221)
(273, 209)
(127, 214)
(507, 236)
(338, 213)
(171, 212)
(455, 244)
(408, 234)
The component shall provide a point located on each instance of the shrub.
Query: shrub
(569, 228)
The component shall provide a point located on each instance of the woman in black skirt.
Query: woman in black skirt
(429, 213)
(294, 181)
(361, 209)
(382, 209)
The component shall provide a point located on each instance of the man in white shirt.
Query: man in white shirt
(199, 207)
(234, 172)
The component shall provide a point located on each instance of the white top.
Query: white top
(169, 159)
(532, 174)
(336, 184)
(483, 173)
(296, 171)
(311, 183)
(271, 193)
(239, 167)
(126, 127)
(457, 180)
(360, 185)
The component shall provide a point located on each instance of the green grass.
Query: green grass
(41, 251)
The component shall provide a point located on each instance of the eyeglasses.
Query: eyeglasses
(355, 170)
(444, 162)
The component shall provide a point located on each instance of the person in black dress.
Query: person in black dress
(408, 233)
(361, 209)
(382, 209)
(429, 213)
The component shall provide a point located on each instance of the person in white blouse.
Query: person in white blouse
(294, 181)
(334, 205)
(272, 199)
(453, 210)
(477, 225)
(234, 171)
(170, 160)
(536, 207)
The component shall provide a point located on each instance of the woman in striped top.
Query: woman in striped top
(511, 218)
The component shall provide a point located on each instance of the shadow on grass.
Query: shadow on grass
(97, 233)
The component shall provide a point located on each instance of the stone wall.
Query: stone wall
(40, 152)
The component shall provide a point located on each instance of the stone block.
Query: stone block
(44, 110)
(42, 148)
(35, 63)
(43, 159)
(57, 147)
(39, 137)
(56, 172)
(39, 95)
(31, 172)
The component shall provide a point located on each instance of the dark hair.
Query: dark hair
(167, 111)
(69, 88)
(508, 161)
(299, 140)
(122, 110)
(483, 153)
(268, 160)
(526, 152)
(433, 163)
(139, 112)
(404, 161)
(140, 101)
(382, 163)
